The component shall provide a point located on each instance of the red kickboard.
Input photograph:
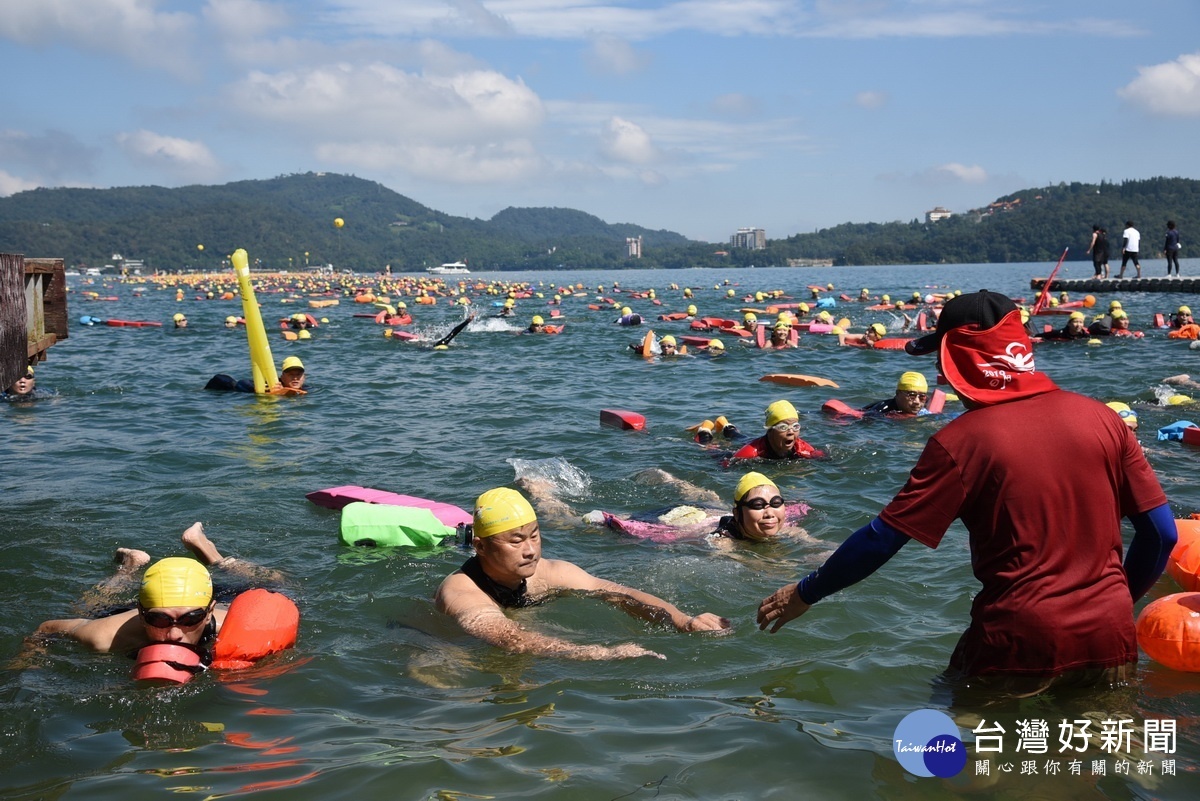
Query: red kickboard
(937, 402)
(623, 419)
(1191, 436)
(890, 344)
(838, 408)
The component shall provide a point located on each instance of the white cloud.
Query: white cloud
(843, 19)
(134, 30)
(11, 184)
(614, 56)
(735, 104)
(1169, 90)
(472, 126)
(244, 19)
(379, 102)
(973, 174)
(52, 156)
(625, 141)
(180, 157)
(871, 100)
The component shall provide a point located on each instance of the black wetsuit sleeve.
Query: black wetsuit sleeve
(454, 332)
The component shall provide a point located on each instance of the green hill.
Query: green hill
(287, 222)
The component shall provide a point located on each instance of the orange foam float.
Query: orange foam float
(1168, 630)
(1183, 564)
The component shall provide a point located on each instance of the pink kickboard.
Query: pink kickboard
(339, 497)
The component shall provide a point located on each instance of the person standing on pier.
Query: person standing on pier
(1131, 240)
(1171, 247)
(1099, 250)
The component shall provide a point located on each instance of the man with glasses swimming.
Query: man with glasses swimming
(175, 600)
(912, 390)
(782, 440)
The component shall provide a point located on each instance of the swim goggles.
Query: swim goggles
(1127, 413)
(913, 394)
(161, 620)
(783, 428)
(758, 504)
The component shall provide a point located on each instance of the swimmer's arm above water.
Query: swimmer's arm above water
(480, 617)
(863, 552)
(567, 576)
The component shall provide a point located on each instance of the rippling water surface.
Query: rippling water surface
(384, 699)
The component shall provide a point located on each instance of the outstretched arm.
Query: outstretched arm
(454, 331)
(863, 552)
(480, 617)
(1154, 536)
(566, 576)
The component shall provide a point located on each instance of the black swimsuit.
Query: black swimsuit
(727, 528)
(508, 599)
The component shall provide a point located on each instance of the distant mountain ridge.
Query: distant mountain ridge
(287, 223)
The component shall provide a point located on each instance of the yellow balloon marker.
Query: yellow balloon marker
(266, 379)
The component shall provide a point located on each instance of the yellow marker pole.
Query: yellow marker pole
(261, 363)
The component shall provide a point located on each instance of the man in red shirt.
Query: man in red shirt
(1056, 605)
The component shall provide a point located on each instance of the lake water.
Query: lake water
(382, 698)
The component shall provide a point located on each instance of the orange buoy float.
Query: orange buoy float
(1183, 564)
(259, 622)
(1168, 630)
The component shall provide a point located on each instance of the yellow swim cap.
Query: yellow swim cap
(292, 362)
(779, 411)
(668, 340)
(626, 310)
(729, 293)
(1114, 304)
(1119, 314)
(783, 325)
(1119, 407)
(1077, 316)
(886, 298)
(537, 320)
(750, 317)
(1178, 400)
(751, 481)
(178, 316)
(1185, 310)
(825, 316)
(716, 344)
(500, 510)
(691, 310)
(231, 319)
(912, 382)
(879, 329)
(304, 334)
(802, 307)
(829, 287)
(401, 305)
(175, 581)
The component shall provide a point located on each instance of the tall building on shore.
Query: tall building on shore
(749, 239)
(938, 213)
(633, 247)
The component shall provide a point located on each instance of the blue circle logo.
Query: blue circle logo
(928, 743)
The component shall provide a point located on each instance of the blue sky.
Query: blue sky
(698, 116)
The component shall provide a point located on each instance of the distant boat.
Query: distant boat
(450, 268)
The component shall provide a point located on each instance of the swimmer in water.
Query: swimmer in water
(508, 572)
(179, 320)
(292, 376)
(912, 390)
(782, 440)
(23, 387)
(175, 601)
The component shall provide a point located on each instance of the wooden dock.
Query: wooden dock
(1161, 284)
